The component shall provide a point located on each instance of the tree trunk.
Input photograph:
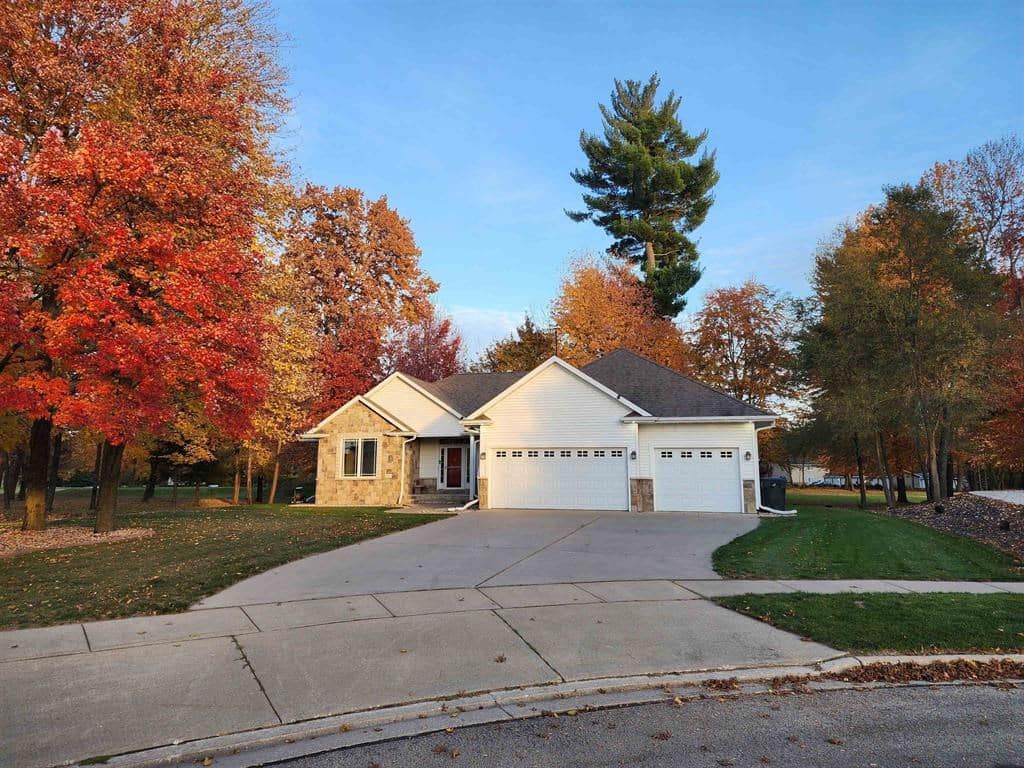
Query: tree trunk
(277, 474)
(860, 471)
(238, 479)
(34, 482)
(248, 477)
(154, 471)
(51, 480)
(934, 481)
(97, 467)
(15, 461)
(650, 263)
(901, 488)
(945, 445)
(848, 482)
(110, 475)
(174, 492)
(259, 488)
(883, 465)
(950, 486)
(195, 493)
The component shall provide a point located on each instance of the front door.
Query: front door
(453, 466)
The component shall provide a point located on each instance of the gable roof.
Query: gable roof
(664, 392)
(574, 371)
(316, 432)
(466, 392)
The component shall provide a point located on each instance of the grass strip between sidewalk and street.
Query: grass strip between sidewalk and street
(192, 554)
(894, 623)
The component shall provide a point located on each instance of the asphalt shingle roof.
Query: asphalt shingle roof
(465, 392)
(661, 391)
(658, 390)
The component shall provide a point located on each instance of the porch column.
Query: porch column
(474, 464)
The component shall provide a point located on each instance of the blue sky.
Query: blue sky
(467, 116)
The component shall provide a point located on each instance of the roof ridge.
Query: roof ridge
(698, 382)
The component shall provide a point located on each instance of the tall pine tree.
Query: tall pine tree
(645, 191)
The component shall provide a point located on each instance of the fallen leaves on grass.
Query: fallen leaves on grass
(661, 735)
(17, 542)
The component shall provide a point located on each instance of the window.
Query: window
(517, 454)
(581, 454)
(599, 454)
(686, 454)
(501, 454)
(666, 454)
(549, 454)
(706, 454)
(565, 454)
(726, 454)
(350, 458)
(616, 454)
(532, 454)
(359, 457)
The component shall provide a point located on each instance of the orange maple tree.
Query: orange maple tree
(742, 343)
(363, 281)
(603, 306)
(133, 165)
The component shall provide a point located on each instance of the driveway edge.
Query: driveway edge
(284, 742)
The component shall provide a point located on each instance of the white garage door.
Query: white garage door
(697, 480)
(557, 478)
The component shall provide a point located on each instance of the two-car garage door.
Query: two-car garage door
(697, 480)
(558, 478)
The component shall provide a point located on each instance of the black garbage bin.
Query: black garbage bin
(773, 492)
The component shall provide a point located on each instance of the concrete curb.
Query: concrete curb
(284, 742)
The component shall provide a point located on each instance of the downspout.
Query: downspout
(757, 483)
(401, 485)
(474, 438)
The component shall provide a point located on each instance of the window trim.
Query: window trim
(359, 440)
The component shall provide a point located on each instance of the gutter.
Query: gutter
(696, 419)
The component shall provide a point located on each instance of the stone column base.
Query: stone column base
(641, 494)
(481, 492)
(749, 497)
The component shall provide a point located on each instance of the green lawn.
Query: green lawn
(194, 553)
(836, 497)
(839, 543)
(902, 623)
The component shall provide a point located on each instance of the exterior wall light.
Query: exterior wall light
(483, 455)
(747, 456)
(632, 455)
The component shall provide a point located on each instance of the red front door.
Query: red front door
(453, 467)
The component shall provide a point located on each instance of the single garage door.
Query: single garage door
(557, 478)
(697, 480)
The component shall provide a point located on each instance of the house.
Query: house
(622, 433)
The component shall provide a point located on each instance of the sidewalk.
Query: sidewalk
(84, 690)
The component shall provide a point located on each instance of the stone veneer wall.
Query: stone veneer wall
(382, 491)
(641, 494)
(481, 493)
(749, 498)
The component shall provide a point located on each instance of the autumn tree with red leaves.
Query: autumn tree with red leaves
(134, 162)
(363, 281)
(603, 306)
(429, 349)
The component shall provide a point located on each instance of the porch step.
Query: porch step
(440, 499)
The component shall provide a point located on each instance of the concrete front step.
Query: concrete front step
(440, 499)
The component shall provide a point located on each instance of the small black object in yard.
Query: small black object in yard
(1004, 525)
(939, 509)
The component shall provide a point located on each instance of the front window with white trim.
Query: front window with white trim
(359, 457)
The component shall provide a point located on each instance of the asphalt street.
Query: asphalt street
(916, 727)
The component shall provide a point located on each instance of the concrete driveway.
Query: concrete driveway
(486, 601)
(501, 548)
